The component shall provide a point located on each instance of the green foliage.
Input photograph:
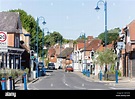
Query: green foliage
(30, 25)
(14, 73)
(26, 70)
(119, 73)
(105, 57)
(112, 35)
(53, 38)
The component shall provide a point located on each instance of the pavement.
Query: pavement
(20, 85)
(123, 82)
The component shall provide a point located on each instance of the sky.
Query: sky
(72, 18)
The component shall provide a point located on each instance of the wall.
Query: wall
(10, 40)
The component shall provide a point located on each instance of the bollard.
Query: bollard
(25, 81)
(10, 82)
(88, 73)
(44, 72)
(83, 72)
(100, 75)
(116, 76)
(3, 83)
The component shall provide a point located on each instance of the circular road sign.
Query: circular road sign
(3, 37)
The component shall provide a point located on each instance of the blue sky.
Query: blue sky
(72, 18)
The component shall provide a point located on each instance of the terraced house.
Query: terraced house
(12, 56)
(128, 59)
(10, 23)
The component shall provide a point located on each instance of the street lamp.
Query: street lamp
(43, 34)
(83, 35)
(105, 9)
(37, 39)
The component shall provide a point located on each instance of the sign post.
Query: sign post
(3, 42)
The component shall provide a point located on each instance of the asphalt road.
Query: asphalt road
(60, 80)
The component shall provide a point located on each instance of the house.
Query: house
(65, 55)
(10, 23)
(129, 52)
(82, 52)
(25, 44)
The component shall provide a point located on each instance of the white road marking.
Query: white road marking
(51, 85)
(82, 84)
(79, 87)
(122, 88)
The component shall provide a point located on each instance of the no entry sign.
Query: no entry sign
(3, 41)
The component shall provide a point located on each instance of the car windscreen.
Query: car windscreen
(51, 64)
(69, 66)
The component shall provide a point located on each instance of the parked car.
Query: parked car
(69, 69)
(51, 66)
(41, 69)
(40, 64)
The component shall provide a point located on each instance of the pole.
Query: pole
(10, 79)
(116, 74)
(105, 4)
(37, 48)
(43, 45)
(25, 81)
(100, 75)
(105, 9)
(60, 54)
(3, 83)
(85, 53)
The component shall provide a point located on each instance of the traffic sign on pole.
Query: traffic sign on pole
(3, 42)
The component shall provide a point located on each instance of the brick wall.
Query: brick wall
(10, 40)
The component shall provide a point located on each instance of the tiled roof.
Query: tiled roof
(93, 45)
(66, 52)
(10, 22)
(51, 51)
(131, 27)
(101, 47)
(90, 38)
(80, 45)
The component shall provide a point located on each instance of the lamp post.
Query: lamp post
(105, 9)
(43, 34)
(83, 35)
(37, 39)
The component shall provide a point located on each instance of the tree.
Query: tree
(105, 57)
(112, 35)
(29, 24)
(53, 38)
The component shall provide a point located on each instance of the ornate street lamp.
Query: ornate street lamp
(37, 39)
(105, 9)
(43, 34)
(83, 35)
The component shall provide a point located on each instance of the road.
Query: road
(60, 80)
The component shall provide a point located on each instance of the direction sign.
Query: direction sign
(3, 42)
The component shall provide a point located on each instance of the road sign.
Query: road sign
(3, 42)
(120, 45)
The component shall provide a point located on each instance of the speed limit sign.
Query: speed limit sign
(3, 41)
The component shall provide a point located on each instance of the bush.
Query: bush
(119, 73)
